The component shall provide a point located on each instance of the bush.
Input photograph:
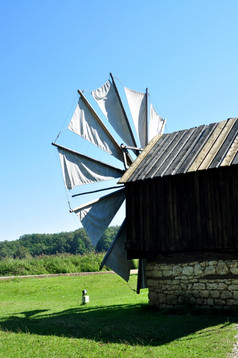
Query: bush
(60, 263)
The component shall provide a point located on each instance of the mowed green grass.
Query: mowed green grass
(45, 318)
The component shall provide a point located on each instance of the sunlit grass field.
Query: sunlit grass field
(45, 318)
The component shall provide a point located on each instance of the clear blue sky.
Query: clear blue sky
(184, 51)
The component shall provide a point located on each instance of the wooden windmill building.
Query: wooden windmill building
(182, 215)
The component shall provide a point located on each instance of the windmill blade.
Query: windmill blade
(87, 124)
(79, 169)
(138, 106)
(108, 99)
(97, 215)
(156, 125)
(116, 256)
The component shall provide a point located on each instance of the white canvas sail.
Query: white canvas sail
(88, 125)
(138, 108)
(156, 125)
(116, 256)
(79, 169)
(98, 214)
(107, 99)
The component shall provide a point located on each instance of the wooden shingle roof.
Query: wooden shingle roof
(200, 148)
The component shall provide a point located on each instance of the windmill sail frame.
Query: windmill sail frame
(81, 169)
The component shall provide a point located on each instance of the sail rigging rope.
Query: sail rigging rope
(156, 107)
(67, 116)
(66, 190)
(132, 289)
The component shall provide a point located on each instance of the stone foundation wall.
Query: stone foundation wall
(208, 283)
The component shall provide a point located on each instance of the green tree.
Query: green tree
(107, 238)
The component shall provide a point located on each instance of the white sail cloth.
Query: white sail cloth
(107, 99)
(156, 125)
(138, 108)
(79, 169)
(116, 256)
(98, 214)
(88, 125)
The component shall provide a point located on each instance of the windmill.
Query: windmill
(83, 169)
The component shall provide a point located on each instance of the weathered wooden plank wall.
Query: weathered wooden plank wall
(196, 211)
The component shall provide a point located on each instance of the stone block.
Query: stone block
(230, 302)
(212, 286)
(198, 270)
(166, 267)
(233, 288)
(172, 300)
(222, 286)
(222, 268)
(215, 294)
(192, 300)
(209, 270)
(187, 271)
(181, 299)
(161, 298)
(219, 302)
(210, 302)
(167, 273)
(204, 294)
(235, 302)
(212, 263)
(157, 274)
(196, 294)
(152, 283)
(234, 270)
(235, 295)
(232, 263)
(177, 270)
(225, 295)
(199, 286)
(184, 286)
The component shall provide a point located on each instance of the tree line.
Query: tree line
(73, 242)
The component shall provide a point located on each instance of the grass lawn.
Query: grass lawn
(44, 318)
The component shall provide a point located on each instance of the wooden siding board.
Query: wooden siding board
(169, 156)
(170, 220)
(140, 216)
(188, 213)
(212, 146)
(151, 158)
(217, 144)
(232, 135)
(235, 160)
(193, 212)
(155, 214)
(174, 141)
(196, 148)
(230, 155)
(205, 149)
(197, 215)
(234, 205)
(217, 209)
(160, 155)
(179, 156)
(146, 217)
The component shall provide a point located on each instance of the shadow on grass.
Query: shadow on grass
(131, 324)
